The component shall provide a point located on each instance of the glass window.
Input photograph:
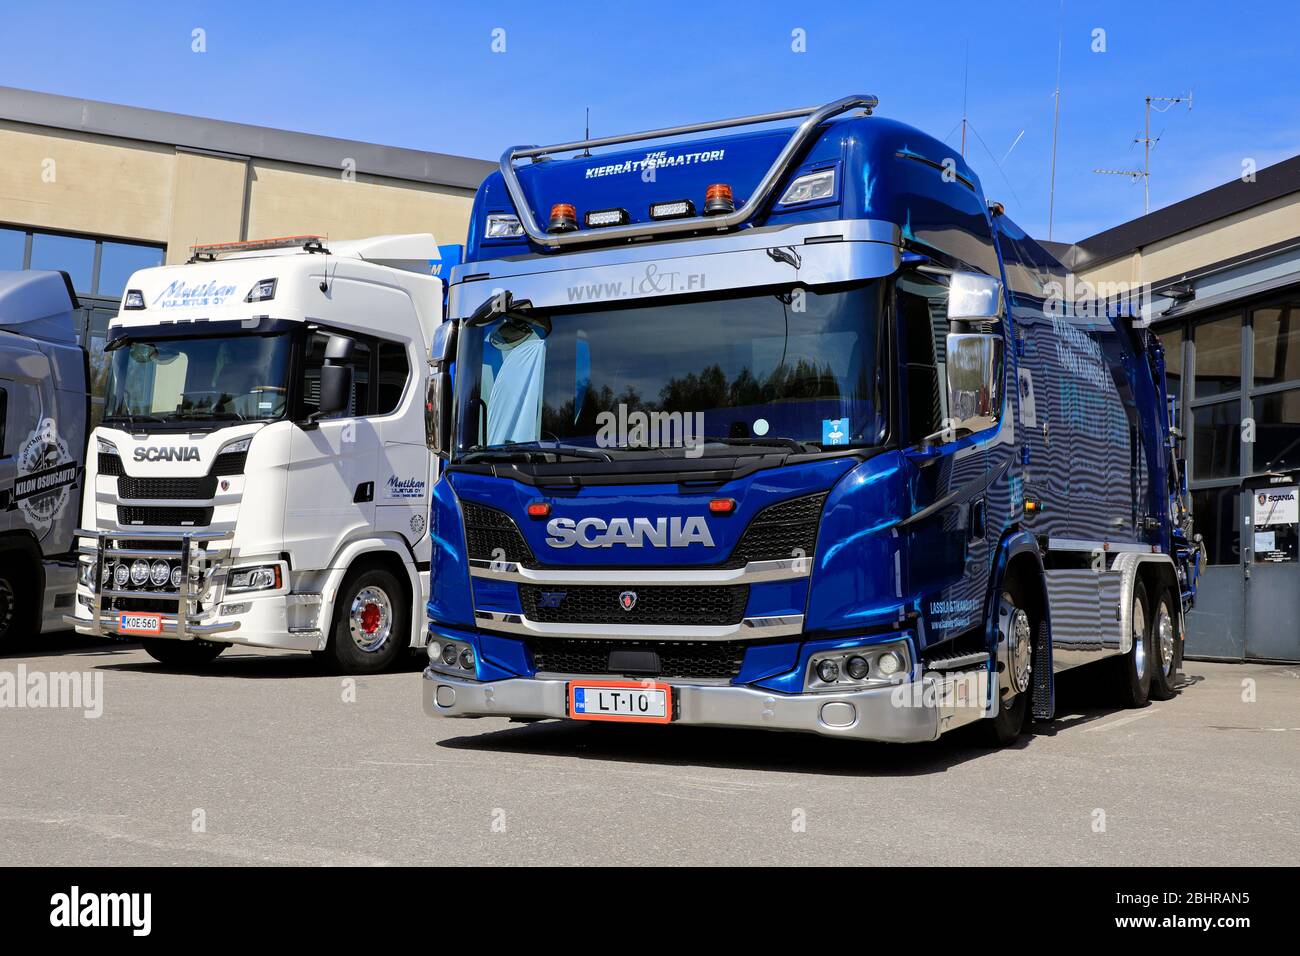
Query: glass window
(4, 417)
(67, 253)
(1277, 344)
(1215, 512)
(1277, 430)
(1172, 340)
(1216, 441)
(13, 244)
(118, 260)
(312, 363)
(394, 370)
(227, 378)
(763, 366)
(1218, 357)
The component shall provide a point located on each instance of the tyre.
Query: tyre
(17, 608)
(1164, 647)
(370, 628)
(1021, 630)
(1133, 670)
(182, 653)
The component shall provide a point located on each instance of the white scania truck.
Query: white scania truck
(261, 475)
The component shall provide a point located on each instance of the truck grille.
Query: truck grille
(164, 517)
(230, 463)
(176, 489)
(110, 465)
(693, 659)
(780, 531)
(601, 604)
(492, 535)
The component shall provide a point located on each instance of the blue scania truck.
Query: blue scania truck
(786, 427)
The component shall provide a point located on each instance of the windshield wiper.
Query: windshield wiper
(131, 419)
(514, 448)
(794, 445)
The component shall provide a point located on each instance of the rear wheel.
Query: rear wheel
(370, 623)
(1133, 670)
(182, 653)
(1164, 647)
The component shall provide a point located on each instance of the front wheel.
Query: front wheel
(1018, 630)
(182, 653)
(1164, 647)
(370, 623)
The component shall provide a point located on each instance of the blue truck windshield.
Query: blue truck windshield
(799, 368)
(229, 378)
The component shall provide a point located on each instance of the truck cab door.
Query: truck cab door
(334, 463)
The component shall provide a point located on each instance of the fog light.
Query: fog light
(467, 658)
(121, 575)
(828, 671)
(139, 571)
(159, 574)
(449, 653)
(435, 651)
(889, 663)
(176, 577)
(857, 667)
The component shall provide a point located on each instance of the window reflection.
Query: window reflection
(1218, 357)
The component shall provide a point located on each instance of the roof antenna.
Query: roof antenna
(1056, 120)
(965, 90)
(587, 133)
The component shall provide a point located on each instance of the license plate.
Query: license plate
(627, 700)
(139, 623)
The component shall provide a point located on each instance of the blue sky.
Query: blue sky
(424, 75)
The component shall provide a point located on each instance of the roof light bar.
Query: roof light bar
(605, 217)
(211, 250)
(676, 209)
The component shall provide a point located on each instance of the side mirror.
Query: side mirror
(336, 377)
(974, 364)
(973, 296)
(437, 407)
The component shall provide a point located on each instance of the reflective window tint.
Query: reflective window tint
(1216, 512)
(118, 260)
(1216, 441)
(1277, 344)
(1277, 430)
(394, 370)
(68, 254)
(13, 244)
(1218, 357)
(1173, 343)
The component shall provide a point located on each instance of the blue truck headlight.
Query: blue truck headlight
(853, 668)
(810, 186)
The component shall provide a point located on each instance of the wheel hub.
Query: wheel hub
(1165, 635)
(1139, 639)
(370, 620)
(1019, 647)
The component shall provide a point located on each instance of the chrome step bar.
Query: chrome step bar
(815, 116)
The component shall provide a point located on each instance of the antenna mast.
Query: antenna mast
(1147, 145)
(1056, 121)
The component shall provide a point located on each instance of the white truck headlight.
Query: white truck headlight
(265, 578)
(86, 572)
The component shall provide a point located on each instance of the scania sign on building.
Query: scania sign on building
(636, 533)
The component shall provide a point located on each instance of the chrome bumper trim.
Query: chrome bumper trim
(783, 569)
(888, 714)
(752, 628)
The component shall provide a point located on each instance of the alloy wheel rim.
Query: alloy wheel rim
(1139, 639)
(1021, 640)
(370, 620)
(1165, 630)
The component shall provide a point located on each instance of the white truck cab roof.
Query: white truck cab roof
(351, 285)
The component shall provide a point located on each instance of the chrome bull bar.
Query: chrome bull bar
(204, 570)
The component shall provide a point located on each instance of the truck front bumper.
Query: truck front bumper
(902, 713)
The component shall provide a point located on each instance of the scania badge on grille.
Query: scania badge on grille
(627, 600)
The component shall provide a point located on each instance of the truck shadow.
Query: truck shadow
(1079, 702)
(245, 664)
